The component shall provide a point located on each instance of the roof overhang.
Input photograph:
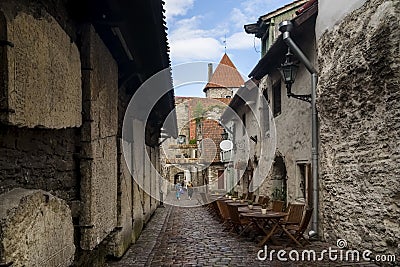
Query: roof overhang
(260, 28)
(135, 34)
(276, 54)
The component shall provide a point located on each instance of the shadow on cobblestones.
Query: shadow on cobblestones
(179, 236)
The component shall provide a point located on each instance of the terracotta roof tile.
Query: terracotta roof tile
(225, 75)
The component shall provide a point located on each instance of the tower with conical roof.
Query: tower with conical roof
(225, 80)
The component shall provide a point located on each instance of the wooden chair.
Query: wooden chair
(239, 223)
(224, 212)
(278, 205)
(295, 214)
(296, 232)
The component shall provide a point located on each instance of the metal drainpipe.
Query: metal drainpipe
(285, 27)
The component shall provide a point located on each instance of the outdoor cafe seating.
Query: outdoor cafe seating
(277, 225)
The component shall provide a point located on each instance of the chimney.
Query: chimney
(210, 71)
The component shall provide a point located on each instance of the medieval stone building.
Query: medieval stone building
(355, 53)
(290, 175)
(198, 122)
(68, 70)
(224, 81)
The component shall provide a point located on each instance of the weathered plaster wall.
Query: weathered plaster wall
(360, 128)
(41, 75)
(99, 146)
(293, 124)
(212, 175)
(36, 229)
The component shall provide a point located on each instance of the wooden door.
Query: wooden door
(221, 179)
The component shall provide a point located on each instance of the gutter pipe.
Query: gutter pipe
(285, 27)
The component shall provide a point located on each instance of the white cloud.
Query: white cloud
(177, 7)
(238, 18)
(250, 10)
(189, 42)
(196, 48)
(193, 38)
(240, 40)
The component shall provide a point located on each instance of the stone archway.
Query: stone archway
(178, 177)
(279, 178)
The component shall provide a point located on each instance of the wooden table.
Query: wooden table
(258, 218)
(236, 203)
(246, 208)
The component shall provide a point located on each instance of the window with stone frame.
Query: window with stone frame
(276, 99)
(265, 111)
(303, 181)
(244, 123)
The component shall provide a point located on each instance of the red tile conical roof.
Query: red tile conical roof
(225, 75)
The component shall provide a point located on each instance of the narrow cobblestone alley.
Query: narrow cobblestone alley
(177, 236)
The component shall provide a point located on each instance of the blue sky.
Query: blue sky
(197, 30)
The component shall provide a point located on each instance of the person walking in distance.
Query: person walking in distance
(190, 190)
(178, 188)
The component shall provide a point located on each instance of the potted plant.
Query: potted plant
(250, 203)
(241, 199)
(234, 195)
(264, 209)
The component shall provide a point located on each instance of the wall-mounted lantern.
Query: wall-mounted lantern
(288, 71)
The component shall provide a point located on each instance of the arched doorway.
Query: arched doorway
(279, 178)
(179, 177)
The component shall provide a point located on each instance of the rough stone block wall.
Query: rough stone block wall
(359, 104)
(147, 185)
(122, 237)
(36, 229)
(182, 114)
(138, 176)
(99, 146)
(40, 159)
(218, 92)
(40, 81)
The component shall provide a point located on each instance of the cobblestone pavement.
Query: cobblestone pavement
(178, 236)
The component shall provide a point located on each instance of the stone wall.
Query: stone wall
(35, 229)
(99, 141)
(58, 132)
(220, 92)
(41, 82)
(122, 236)
(358, 100)
(40, 159)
